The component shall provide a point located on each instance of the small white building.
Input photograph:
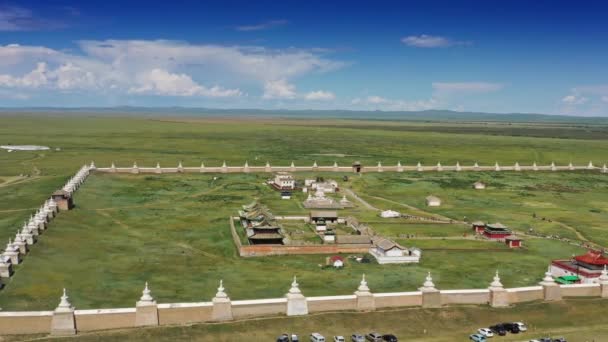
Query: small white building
(389, 214)
(433, 201)
(284, 180)
(479, 185)
(388, 252)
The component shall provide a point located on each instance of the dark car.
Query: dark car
(389, 338)
(511, 327)
(283, 338)
(499, 329)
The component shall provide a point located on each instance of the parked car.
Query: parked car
(499, 329)
(316, 337)
(357, 338)
(339, 339)
(511, 327)
(522, 327)
(477, 338)
(294, 338)
(389, 338)
(283, 338)
(559, 339)
(485, 332)
(542, 339)
(374, 337)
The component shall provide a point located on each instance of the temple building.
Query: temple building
(320, 201)
(478, 226)
(587, 267)
(284, 181)
(496, 231)
(254, 213)
(260, 225)
(389, 252)
(265, 233)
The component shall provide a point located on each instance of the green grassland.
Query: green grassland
(173, 230)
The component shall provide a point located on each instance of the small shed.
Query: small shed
(357, 167)
(478, 226)
(513, 241)
(63, 199)
(433, 201)
(326, 215)
(479, 185)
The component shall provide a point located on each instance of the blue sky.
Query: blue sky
(493, 56)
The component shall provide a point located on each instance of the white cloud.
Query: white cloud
(320, 95)
(279, 89)
(382, 103)
(466, 87)
(160, 67)
(376, 99)
(574, 100)
(162, 82)
(262, 26)
(428, 41)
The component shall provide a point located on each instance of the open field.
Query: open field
(577, 320)
(172, 230)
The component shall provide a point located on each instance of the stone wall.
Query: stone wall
(336, 168)
(265, 250)
(35, 322)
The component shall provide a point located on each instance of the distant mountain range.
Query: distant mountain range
(425, 115)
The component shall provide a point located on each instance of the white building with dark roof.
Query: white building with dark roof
(389, 252)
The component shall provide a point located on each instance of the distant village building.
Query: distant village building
(329, 236)
(324, 215)
(433, 201)
(513, 241)
(285, 194)
(357, 167)
(388, 252)
(587, 267)
(284, 181)
(389, 214)
(496, 231)
(327, 187)
(479, 227)
(479, 185)
(320, 201)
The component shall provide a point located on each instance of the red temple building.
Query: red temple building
(588, 267)
(496, 231)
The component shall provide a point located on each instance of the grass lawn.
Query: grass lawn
(173, 231)
(578, 320)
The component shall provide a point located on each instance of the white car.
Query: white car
(522, 327)
(485, 332)
(339, 339)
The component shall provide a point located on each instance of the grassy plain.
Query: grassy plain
(172, 230)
